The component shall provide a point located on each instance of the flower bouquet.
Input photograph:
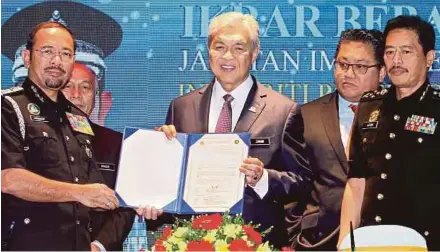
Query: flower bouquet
(213, 232)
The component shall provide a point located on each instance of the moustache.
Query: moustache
(55, 68)
(398, 68)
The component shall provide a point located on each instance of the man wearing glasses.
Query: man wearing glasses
(50, 181)
(327, 121)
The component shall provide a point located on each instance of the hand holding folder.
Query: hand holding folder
(192, 173)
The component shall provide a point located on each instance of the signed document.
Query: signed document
(213, 181)
(192, 173)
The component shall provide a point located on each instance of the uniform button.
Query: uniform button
(67, 138)
(76, 179)
(88, 141)
(426, 233)
(380, 196)
(383, 176)
(396, 117)
(61, 120)
(364, 140)
(435, 92)
(378, 218)
(420, 140)
(392, 135)
(78, 222)
(388, 156)
(45, 134)
(27, 221)
(72, 159)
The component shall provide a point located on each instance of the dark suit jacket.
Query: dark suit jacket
(110, 228)
(267, 119)
(326, 154)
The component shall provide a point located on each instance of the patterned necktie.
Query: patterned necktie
(224, 123)
(354, 108)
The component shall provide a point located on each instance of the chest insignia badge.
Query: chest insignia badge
(79, 123)
(33, 109)
(421, 124)
(374, 116)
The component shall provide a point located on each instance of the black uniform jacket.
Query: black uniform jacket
(396, 148)
(38, 136)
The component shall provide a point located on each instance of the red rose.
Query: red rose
(199, 246)
(207, 222)
(239, 245)
(158, 246)
(252, 234)
(166, 232)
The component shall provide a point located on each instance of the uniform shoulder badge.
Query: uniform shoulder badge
(12, 90)
(374, 95)
(436, 94)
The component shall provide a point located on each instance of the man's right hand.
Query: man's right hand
(169, 130)
(97, 196)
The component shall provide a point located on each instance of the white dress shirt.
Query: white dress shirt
(346, 117)
(240, 94)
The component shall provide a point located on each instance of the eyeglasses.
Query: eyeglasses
(357, 68)
(49, 53)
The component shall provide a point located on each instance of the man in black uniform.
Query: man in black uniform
(110, 228)
(50, 181)
(395, 176)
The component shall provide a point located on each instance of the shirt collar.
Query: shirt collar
(239, 93)
(415, 97)
(35, 91)
(344, 104)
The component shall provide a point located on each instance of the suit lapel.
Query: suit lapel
(201, 108)
(330, 120)
(253, 107)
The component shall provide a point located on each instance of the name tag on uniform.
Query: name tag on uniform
(370, 125)
(79, 123)
(36, 118)
(263, 141)
(106, 166)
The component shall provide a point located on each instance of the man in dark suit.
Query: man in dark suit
(109, 229)
(235, 102)
(327, 123)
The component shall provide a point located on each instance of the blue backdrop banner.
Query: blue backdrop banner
(146, 53)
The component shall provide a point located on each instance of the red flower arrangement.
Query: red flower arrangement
(212, 233)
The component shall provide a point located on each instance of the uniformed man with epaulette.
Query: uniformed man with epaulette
(49, 177)
(395, 173)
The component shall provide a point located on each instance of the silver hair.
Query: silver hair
(232, 19)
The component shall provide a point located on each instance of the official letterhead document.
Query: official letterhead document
(192, 173)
